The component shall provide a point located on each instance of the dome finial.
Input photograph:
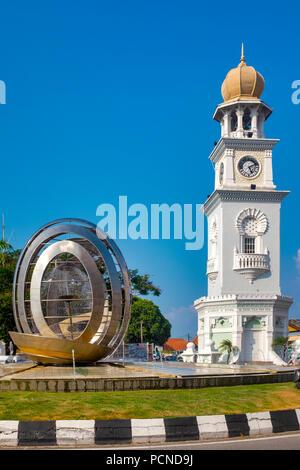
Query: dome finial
(242, 53)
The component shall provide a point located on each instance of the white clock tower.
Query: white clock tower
(244, 302)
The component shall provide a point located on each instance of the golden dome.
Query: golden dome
(243, 82)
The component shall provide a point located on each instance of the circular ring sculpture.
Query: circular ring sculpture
(71, 294)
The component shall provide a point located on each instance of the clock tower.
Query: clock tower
(244, 302)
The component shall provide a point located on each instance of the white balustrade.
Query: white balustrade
(251, 264)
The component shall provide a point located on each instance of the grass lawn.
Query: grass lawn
(28, 406)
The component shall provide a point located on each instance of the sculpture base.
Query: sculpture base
(47, 350)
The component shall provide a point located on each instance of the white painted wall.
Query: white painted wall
(229, 281)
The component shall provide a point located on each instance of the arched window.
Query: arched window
(250, 228)
(233, 121)
(247, 120)
(251, 224)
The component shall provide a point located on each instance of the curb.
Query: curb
(141, 383)
(144, 431)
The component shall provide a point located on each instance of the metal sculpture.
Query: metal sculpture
(71, 294)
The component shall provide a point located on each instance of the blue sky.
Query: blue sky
(116, 98)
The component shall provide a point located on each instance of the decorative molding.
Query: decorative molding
(212, 263)
(229, 152)
(268, 153)
(255, 214)
(238, 301)
(219, 309)
(221, 322)
(256, 307)
(213, 229)
(246, 297)
(212, 277)
(254, 322)
(241, 144)
(212, 270)
(242, 196)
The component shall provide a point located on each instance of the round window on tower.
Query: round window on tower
(250, 226)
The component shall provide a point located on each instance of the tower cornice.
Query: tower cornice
(227, 106)
(244, 299)
(242, 196)
(241, 144)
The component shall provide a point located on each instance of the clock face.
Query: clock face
(221, 173)
(248, 167)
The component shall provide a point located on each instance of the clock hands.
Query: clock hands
(248, 167)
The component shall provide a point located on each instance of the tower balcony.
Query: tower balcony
(243, 134)
(251, 265)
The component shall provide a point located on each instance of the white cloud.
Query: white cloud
(297, 260)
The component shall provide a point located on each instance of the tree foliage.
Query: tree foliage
(5, 250)
(226, 346)
(141, 284)
(8, 261)
(281, 343)
(7, 322)
(155, 327)
(147, 323)
(6, 277)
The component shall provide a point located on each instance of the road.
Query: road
(284, 441)
(279, 442)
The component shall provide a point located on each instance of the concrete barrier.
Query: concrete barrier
(144, 431)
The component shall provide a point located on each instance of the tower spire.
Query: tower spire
(242, 53)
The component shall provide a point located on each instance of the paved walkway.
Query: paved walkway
(105, 371)
(14, 368)
(131, 369)
(183, 369)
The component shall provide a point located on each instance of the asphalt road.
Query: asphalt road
(279, 442)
